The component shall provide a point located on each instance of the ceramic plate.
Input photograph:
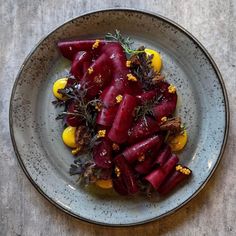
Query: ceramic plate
(36, 135)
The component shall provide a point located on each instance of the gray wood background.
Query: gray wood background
(23, 211)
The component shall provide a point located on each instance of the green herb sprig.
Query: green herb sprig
(125, 42)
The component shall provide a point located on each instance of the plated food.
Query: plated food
(202, 105)
(119, 117)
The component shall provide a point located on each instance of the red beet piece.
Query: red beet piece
(157, 176)
(119, 85)
(116, 53)
(146, 96)
(97, 76)
(110, 106)
(108, 96)
(167, 104)
(70, 48)
(172, 181)
(133, 152)
(86, 65)
(120, 70)
(123, 120)
(143, 128)
(102, 153)
(81, 59)
(126, 174)
(73, 120)
(119, 186)
(163, 155)
(106, 116)
(144, 166)
(165, 108)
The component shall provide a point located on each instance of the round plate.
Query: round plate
(36, 136)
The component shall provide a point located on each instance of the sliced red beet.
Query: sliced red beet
(86, 65)
(146, 96)
(167, 105)
(119, 186)
(120, 84)
(108, 96)
(116, 53)
(97, 76)
(133, 152)
(144, 166)
(172, 181)
(102, 153)
(78, 63)
(165, 108)
(126, 174)
(109, 106)
(107, 114)
(156, 177)
(143, 128)
(70, 48)
(73, 120)
(123, 120)
(120, 71)
(163, 155)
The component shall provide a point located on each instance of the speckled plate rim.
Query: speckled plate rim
(219, 76)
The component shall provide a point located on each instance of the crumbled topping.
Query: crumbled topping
(98, 107)
(119, 98)
(183, 170)
(171, 89)
(98, 79)
(163, 119)
(117, 171)
(172, 124)
(131, 77)
(141, 158)
(75, 151)
(90, 70)
(101, 133)
(128, 63)
(115, 147)
(96, 44)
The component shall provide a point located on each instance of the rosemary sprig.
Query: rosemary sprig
(125, 42)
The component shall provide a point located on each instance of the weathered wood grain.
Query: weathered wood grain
(25, 212)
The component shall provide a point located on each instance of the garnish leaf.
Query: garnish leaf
(125, 42)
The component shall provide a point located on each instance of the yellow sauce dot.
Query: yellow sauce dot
(178, 142)
(156, 60)
(68, 136)
(106, 184)
(59, 84)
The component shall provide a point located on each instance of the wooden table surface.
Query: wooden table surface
(23, 211)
